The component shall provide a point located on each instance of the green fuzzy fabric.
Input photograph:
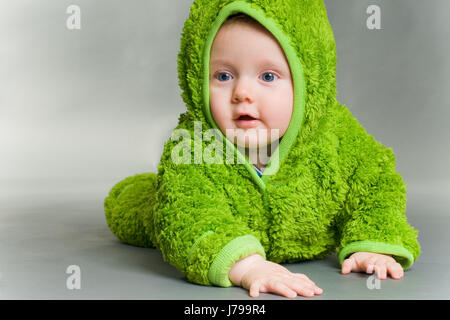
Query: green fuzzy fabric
(128, 202)
(336, 189)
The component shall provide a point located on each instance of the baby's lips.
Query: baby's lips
(246, 117)
(247, 123)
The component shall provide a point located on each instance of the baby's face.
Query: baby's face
(249, 74)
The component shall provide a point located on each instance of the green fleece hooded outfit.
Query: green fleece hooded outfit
(330, 187)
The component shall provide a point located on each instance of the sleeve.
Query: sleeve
(195, 228)
(373, 218)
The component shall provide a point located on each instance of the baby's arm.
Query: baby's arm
(369, 262)
(258, 275)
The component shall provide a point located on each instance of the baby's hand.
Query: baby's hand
(266, 276)
(369, 262)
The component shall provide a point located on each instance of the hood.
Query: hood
(305, 35)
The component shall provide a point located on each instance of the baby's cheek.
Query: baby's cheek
(279, 116)
(219, 116)
(280, 122)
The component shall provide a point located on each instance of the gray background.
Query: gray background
(82, 109)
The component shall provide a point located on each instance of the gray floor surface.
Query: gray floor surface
(41, 235)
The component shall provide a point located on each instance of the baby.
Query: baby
(262, 73)
(250, 76)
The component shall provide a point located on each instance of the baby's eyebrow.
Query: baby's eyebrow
(262, 64)
(266, 63)
(220, 61)
(270, 64)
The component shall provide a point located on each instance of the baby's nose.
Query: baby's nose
(242, 92)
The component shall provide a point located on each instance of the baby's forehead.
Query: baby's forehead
(247, 40)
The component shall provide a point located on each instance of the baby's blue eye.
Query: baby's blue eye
(223, 76)
(268, 78)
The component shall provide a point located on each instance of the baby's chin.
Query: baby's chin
(254, 144)
(254, 138)
(251, 144)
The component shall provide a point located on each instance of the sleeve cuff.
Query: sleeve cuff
(233, 251)
(398, 252)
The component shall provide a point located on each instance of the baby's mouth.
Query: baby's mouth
(246, 121)
(246, 117)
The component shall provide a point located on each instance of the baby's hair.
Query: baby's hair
(243, 18)
(240, 17)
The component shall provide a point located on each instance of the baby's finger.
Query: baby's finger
(380, 270)
(395, 270)
(368, 264)
(348, 265)
(281, 289)
(303, 287)
(303, 290)
(306, 281)
(254, 290)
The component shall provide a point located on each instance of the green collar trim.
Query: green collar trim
(297, 77)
